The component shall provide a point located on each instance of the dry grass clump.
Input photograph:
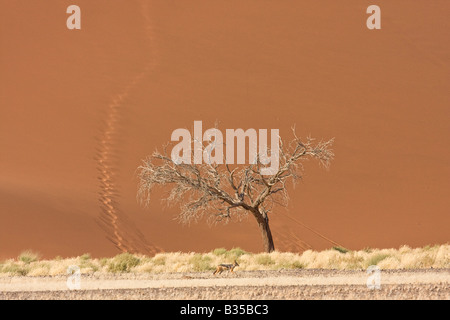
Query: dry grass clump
(264, 260)
(201, 262)
(29, 256)
(437, 256)
(123, 263)
(11, 268)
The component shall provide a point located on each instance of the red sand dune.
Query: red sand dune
(80, 109)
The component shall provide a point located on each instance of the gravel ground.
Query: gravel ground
(283, 284)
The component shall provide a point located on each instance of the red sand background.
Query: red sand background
(137, 70)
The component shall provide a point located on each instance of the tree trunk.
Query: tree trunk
(263, 224)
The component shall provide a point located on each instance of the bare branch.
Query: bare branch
(218, 193)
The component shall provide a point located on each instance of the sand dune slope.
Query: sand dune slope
(80, 109)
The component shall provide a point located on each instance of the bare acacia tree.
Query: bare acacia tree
(219, 192)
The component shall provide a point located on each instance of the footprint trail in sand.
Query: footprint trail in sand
(120, 230)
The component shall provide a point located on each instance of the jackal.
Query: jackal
(222, 267)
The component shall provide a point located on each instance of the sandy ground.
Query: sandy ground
(284, 284)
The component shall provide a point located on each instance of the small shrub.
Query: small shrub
(159, 261)
(298, 265)
(264, 260)
(123, 263)
(15, 269)
(201, 262)
(29, 256)
(374, 260)
(341, 249)
(354, 262)
(39, 269)
(147, 269)
(85, 257)
(88, 266)
(103, 262)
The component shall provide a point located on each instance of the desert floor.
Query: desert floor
(283, 284)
